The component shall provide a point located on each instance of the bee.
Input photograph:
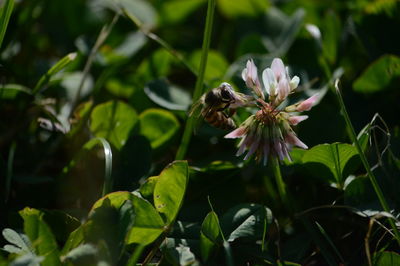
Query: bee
(219, 105)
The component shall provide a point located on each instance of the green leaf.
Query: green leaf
(170, 189)
(116, 200)
(331, 33)
(158, 126)
(132, 43)
(168, 95)
(70, 81)
(209, 235)
(60, 65)
(359, 193)
(84, 254)
(246, 221)
(336, 157)
(113, 121)
(216, 64)
(41, 236)
(281, 30)
(180, 255)
(147, 188)
(20, 242)
(176, 11)
(380, 75)
(242, 8)
(74, 239)
(119, 88)
(5, 14)
(148, 224)
(11, 91)
(385, 258)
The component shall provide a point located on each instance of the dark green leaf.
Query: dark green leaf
(242, 8)
(246, 221)
(177, 10)
(334, 156)
(167, 95)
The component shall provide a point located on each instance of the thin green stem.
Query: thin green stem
(372, 178)
(279, 180)
(187, 134)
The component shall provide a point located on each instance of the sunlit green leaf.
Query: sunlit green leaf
(119, 88)
(148, 224)
(379, 75)
(170, 189)
(386, 258)
(113, 121)
(336, 157)
(40, 234)
(209, 235)
(147, 188)
(158, 126)
(116, 199)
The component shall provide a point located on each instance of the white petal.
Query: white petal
(278, 68)
(294, 83)
(244, 74)
(283, 89)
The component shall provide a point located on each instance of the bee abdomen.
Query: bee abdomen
(218, 120)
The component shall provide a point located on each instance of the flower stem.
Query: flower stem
(279, 180)
(187, 134)
(372, 178)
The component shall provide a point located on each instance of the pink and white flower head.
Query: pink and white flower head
(268, 133)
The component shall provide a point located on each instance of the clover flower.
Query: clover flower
(269, 133)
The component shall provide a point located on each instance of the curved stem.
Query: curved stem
(372, 178)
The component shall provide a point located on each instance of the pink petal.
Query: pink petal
(278, 68)
(307, 104)
(291, 138)
(294, 120)
(283, 89)
(237, 133)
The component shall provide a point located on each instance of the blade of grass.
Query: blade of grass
(10, 163)
(5, 18)
(60, 65)
(187, 134)
(105, 31)
(136, 255)
(372, 178)
(330, 242)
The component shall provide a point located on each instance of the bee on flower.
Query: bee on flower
(269, 133)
